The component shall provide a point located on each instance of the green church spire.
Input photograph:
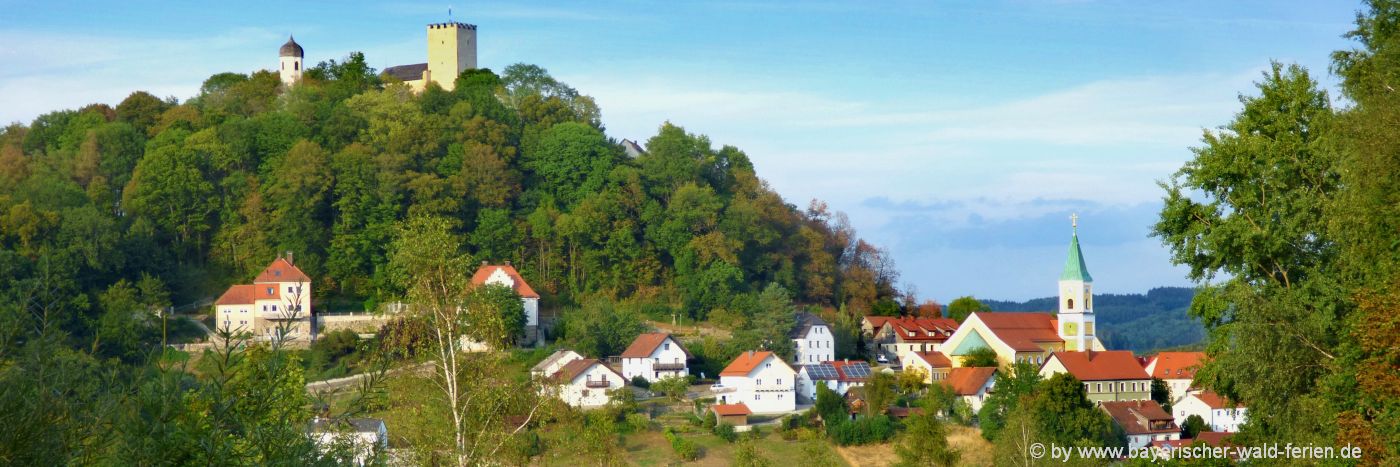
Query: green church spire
(1075, 270)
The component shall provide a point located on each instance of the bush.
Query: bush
(641, 382)
(864, 430)
(684, 448)
(710, 420)
(638, 422)
(726, 432)
(694, 419)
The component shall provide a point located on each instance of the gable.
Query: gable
(973, 341)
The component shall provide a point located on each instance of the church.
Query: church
(1033, 337)
(451, 50)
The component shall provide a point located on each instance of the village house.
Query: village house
(506, 275)
(277, 305)
(899, 336)
(933, 365)
(554, 362)
(1220, 414)
(653, 356)
(1177, 369)
(760, 380)
(871, 324)
(365, 437)
(972, 384)
(736, 415)
(1112, 375)
(838, 376)
(586, 382)
(1144, 422)
(813, 340)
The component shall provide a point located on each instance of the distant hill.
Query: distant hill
(1136, 322)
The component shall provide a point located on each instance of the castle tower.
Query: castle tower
(451, 50)
(1076, 298)
(291, 61)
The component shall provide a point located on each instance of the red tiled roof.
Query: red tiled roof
(281, 270)
(1136, 417)
(1021, 330)
(521, 287)
(568, 372)
(1177, 365)
(237, 295)
(878, 321)
(935, 359)
(266, 292)
(645, 344)
(922, 329)
(746, 362)
(967, 380)
(1215, 401)
(1214, 438)
(1100, 366)
(725, 410)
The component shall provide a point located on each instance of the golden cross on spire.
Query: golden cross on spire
(1074, 220)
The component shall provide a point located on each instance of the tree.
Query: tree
(1065, 414)
(1192, 426)
(879, 392)
(925, 441)
(141, 110)
(1162, 394)
(961, 307)
(674, 387)
(830, 405)
(1017, 433)
(981, 356)
(496, 314)
(771, 322)
(1013, 384)
(600, 329)
(746, 455)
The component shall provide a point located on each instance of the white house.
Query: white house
(554, 362)
(586, 382)
(277, 302)
(1177, 369)
(760, 380)
(506, 275)
(813, 339)
(1144, 422)
(365, 437)
(838, 376)
(653, 356)
(972, 383)
(1218, 413)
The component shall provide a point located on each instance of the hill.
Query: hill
(1142, 323)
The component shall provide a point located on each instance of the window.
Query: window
(757, 396)
(296, 65)
(666, 346)
(1071, 303)
(274, 307)
(271, 290)
(758, 382)
(289, 289)
(780, 381)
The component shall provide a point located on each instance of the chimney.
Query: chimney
(507, 262)
(484, 263)
(289, 258)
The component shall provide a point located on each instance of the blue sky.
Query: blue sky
(960, 135)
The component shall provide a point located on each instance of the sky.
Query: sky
(959, 135)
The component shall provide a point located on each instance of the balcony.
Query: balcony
(596, 383)
(667, 366)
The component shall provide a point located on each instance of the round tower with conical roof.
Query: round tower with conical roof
(291, 61)
(1076, 318)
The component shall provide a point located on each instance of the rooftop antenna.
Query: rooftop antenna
(449, 13)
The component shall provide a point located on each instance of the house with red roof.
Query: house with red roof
(506, 275)
(1219, 413)
(760, 380)
(933, 365)
(899, 336)
(277, 305)
(1177, 369)
(1143, 422)
(585, 382)
(1112, 375)
(838, 375)
(654, 355)
(736, 415)
(972, 384)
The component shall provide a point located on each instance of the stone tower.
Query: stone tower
(291, 61)
(451, 50)
(1076, 298)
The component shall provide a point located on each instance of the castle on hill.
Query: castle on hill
(451, 50)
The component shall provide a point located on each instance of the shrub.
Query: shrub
(864, 430)
(684, 448)
(726, 432)
(638, 422)
(710, 420)
(641, 382)
(694, 419)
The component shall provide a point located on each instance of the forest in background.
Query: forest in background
(1142, 323)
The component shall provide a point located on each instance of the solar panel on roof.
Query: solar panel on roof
(821, 371)
(857, 370)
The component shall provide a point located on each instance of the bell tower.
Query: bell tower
(1076, 316)
(290, 59)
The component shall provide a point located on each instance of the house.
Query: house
(871, 324)
(586, 382)
(365, 437)
(506, 275)
(1112, 375)
(733, 414)
(632, 149)
(1144, 422)
(653, 356)
(972, 384)
(839, 376)
(899, 336)
(1177, 369)
(277, 305)
(813, 340)
(760, 380)
(934, 365)
(554, 362)
(1220, 414)
(1031, 337)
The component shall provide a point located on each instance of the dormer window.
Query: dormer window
(271, 290)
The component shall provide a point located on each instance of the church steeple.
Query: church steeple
(1074, 265)
(1076, 317)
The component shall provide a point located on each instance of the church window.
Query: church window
(296, 66)
(1071, 303)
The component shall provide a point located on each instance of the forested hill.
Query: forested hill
(1137, 322)
(193, 196)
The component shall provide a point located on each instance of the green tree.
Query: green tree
(746, 455)
(961, 307)
(1162, 394)
(1192, 426)
(600, 329)
(170, 188)
(925, 442)
(981, 356)
(1066, 415)
(880, 393)
(674, 387)
(496, 314)
(1013, 384)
